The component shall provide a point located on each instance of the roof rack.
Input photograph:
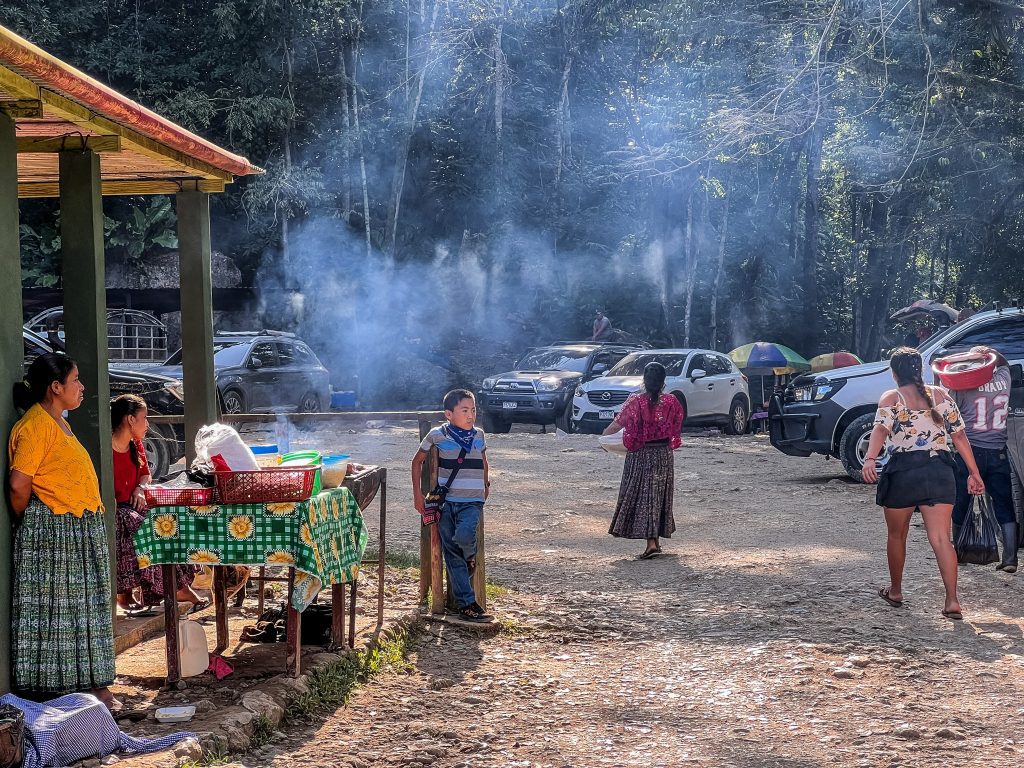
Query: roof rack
(264, 332)
(602, 343)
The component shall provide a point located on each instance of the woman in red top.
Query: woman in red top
(651, 420)
(129, 419)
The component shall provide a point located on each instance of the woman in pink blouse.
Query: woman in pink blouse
(651, 420)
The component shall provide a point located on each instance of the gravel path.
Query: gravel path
(757, 640)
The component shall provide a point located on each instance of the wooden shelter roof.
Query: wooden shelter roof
(56, 107)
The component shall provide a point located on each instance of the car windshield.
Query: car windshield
(633, 365)
(225, 354)
(561, 359)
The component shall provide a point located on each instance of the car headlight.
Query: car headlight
(177, 389)
(819, 391)
(488, 384)
(548, 384)
(579, 391)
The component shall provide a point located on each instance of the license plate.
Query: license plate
(607, 415)
(509, 406)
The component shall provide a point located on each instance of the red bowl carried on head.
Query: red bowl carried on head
(965, 371)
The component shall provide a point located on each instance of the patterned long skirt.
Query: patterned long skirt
(151, 579)
(63, 635)
(644, 509)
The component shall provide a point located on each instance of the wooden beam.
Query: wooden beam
(85, 316)
(22, 108)
(12, 353)
(194, 267)
(18, 86)
(114, 187)
(72, 142)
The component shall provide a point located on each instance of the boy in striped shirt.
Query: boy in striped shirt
(464, 503)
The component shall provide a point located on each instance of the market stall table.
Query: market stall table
(321, 541)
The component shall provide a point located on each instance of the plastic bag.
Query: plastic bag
(224, 441)
(977, 540)
(612, 443)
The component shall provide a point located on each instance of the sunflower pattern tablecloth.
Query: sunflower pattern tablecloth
(322, 538)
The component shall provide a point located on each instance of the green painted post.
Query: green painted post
(12, 353)
(85, 314)
(196, 314)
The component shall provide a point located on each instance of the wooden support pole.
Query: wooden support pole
(425, 487)
(380, 551)
(171, 624)
(12, 354)
(220, 603)
(480, 574)
(338, 615)
(85, 318)
(196, 314)
(293, 661)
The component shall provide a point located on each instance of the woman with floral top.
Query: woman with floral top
(917, 424)
(651, 420)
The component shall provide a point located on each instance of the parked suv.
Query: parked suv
(264, 371)
(708, 385)
(164, 396)
(832, 413)
(539, 389)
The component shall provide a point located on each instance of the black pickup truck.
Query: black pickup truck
(540, 387)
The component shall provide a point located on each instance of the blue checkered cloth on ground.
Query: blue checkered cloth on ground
(75, 727)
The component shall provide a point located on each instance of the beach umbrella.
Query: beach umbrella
(765, 357)
(830, 360)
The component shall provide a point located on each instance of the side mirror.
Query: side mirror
(599, 369)
(697, 373)
(255, 363)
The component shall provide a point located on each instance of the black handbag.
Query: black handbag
(434, 501)
(976, 543)
(12, 736)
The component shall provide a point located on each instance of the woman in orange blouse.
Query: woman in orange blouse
(63, 637)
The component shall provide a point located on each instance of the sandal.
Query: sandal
(954, 615)
(884, 594)
(202, 605)
(649, 553)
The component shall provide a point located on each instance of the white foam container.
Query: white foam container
(175, 714)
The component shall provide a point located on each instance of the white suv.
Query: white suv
(832, 413)
(709, 386)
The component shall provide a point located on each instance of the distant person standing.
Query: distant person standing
(984, 412)
(651, 421)
(602, 329)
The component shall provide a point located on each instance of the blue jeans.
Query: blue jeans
(994, 467)
(458, 524)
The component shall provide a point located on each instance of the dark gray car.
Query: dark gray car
(265, 371)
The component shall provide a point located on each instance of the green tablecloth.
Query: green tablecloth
(322, 538)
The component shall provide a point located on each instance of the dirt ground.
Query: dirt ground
(757, 640)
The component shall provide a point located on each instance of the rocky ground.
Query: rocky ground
(757, 640)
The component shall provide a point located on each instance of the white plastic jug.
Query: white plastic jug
(193, 651)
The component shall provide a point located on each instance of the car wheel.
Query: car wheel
(564, 421)
(310, 403)
(738, 414)
(494, 425)
(157, 453)
(853, 445)
(234, 401)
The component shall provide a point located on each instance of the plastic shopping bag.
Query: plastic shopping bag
(977, 540)
(612, 443)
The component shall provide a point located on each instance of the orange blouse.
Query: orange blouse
(63, 476)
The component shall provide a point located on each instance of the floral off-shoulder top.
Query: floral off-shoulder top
(913, 429)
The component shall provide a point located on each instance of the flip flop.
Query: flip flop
(140, 612)
(647, 554)
(202, 605)
(954, 615)
(884, 594)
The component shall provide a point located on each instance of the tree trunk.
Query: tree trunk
(402, 150)
(359, 139)
(284, 211)
(500, 83)
(691, 250)
(346, 122)
(722, 236)
(811, 316)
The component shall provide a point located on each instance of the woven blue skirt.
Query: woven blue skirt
(63, 633)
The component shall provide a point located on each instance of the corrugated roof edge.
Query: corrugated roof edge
(53, 74)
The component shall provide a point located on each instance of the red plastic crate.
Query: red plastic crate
(266, 486)
(158, 496)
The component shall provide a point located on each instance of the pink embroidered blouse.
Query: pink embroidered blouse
(641, 425)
